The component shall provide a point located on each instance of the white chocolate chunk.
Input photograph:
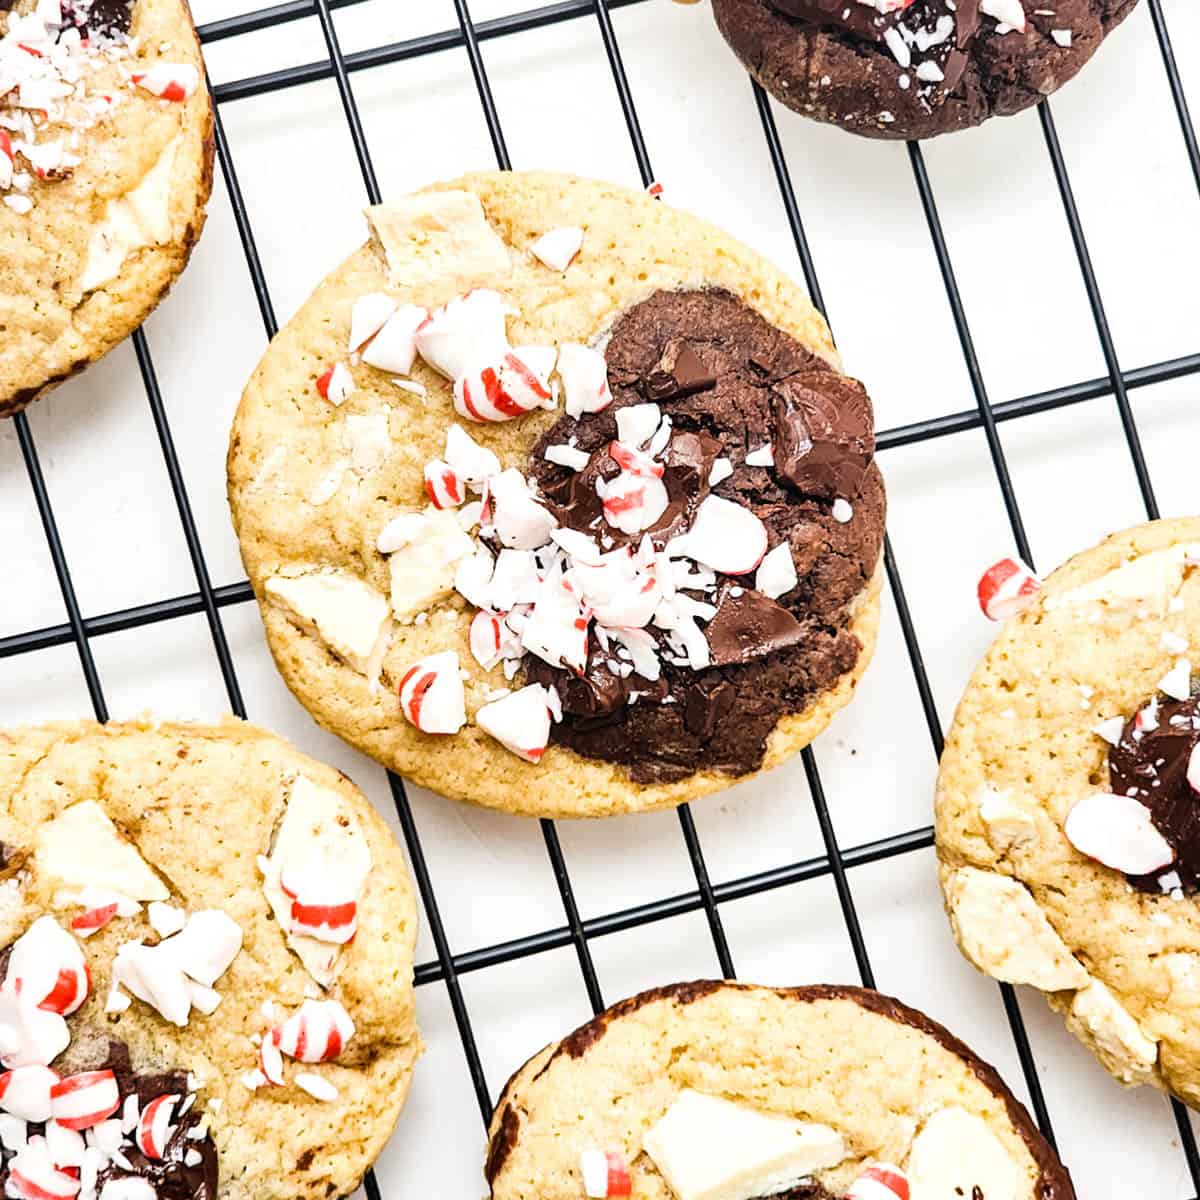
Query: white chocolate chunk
(345, 612)
(1102, 1023)
(83, 848)
(435, 237)
(142, 217)
(1150, 579)
(1006, 935)
(1006, 822)
(955, 1153)
(707, 1148)
(367, 440)
(423, 567)
(318, 836)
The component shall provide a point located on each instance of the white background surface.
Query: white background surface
(1032, 329)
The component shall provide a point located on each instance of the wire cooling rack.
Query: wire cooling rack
(834, 862)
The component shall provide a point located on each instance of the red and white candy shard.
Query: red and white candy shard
(557, 628)
(520, 521)
(29, 1036)
(464, 332)
(880, 1182)
(207, 945)
(1006, 12)
(443, 487)
(469, 460)
(491, 639)
(92, 920)
(584, 375)
(67, 1148)
(25, 1092)
(336, 385)
(725, 536)
(632, 502)
(81, 1101)
(322, 906)
(605, 1173)
(502, 390)
(394, 346)
(621, 589)
(1177, 682)
(432, 695)
(32, 1175)
(270, 1060)
(317, 1032)
(557, 248)
(1117, 831)
(48, 968)
(777, 572)
(636, 424)
(154, 1129)
(520, 722)
(1006, 588)
(169, 81)
(368, 317)
(643, 651)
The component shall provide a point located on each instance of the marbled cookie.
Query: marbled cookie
(105, 169)
(206, 981)
(554, 500)
(723, 1091)
(1068, 800)
(914, 68)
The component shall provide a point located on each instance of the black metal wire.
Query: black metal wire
(836, 861)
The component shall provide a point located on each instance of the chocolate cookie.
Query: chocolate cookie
(1067, 803)
(914, 68)
(206, 949)
(726, 1090)
(105, 169)
(555, 500)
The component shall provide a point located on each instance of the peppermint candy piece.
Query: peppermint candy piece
(394, 346)
(25, 1092)
(320, 907)
(1117, 831)
(632, 502)
(520, 721)
(469, 460)
(81, 1101)
(432, 695)
(154, 1128)
(29, 1036)
(270, 1060)
(777, 572)
(169, 81)
(467, 330)
(1006, 588)
(1005, 12)
(725, 536)
(880, 1182)
(584, 375)
(605, 1173)
(520, 521)
(502, 392)
(317, 1086)
(368, 317)
(491, 639)
(6, 161)
(48, 968)
(557, 628)
(636, 424)
(67, 1148)
(33, 1175)
(335, 385)
(317, 1032)
(557, 248)
(92, 920)
(1193, 768)
(442, 485)
(207, 945)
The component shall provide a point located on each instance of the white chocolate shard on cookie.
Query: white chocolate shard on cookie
(82, 848)
(1097, 1019)
(367, 440)
(707, 1148)
(142, 217)
(433, 237)
(1008, 824)
(1151, 579)
(956, 1155)
(319, 839)
(1001, 929)
(346, 613)
(423, 563)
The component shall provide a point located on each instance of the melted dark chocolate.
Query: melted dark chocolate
(1151, 765)
(98, 18)
(730, 382)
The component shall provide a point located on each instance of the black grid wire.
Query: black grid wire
(836, 861)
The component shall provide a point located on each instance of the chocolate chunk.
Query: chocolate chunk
(749, 625)
(680, 372)
(1151, 766)
(770, 660)
(823, 438)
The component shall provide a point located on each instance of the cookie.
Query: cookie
(1066, 828)
(914, 68)
(555, 500)
(105, 168)
(724, 1090)
(206, 968)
